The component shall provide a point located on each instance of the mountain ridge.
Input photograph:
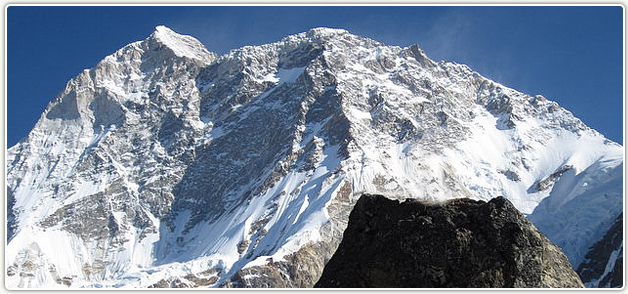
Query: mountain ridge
(266, 147)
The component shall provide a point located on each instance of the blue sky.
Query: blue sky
(572, 55)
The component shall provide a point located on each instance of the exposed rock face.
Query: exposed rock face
(603, 265)
(303, 268)
(166, 165)
(457, 244)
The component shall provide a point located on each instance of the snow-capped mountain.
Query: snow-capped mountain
(168, 166)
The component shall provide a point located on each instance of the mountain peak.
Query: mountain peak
(181, 45)
(325, 31)
(332, 37)
(157, 169)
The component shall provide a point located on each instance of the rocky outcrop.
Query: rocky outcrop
(603, 263)
(456, 244)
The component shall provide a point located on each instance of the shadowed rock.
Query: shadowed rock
(457, 244)
(603, 263)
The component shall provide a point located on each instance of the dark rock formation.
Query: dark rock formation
(456, 244)
(603, 265)
(550, 180)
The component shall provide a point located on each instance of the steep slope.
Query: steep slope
(92, 175)
(582, 207)
(461, 243)
(603, 264)
(165, 165)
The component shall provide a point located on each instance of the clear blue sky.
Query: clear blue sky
(572, 55)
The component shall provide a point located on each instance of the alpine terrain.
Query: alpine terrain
(166, 165)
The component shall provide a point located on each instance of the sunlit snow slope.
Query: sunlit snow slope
(168, 166)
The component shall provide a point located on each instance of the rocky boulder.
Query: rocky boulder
(456, 244)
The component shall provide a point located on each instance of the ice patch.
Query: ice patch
(285, 76)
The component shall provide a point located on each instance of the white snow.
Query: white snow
(291, 213)
(182, 45)
(285, 76)
(573, 214)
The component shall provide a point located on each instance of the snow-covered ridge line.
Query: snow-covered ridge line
(182, 45)
(167, 166)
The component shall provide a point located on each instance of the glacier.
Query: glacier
(167, 165)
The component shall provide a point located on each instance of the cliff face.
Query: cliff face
(456, 244)
(602, 267)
